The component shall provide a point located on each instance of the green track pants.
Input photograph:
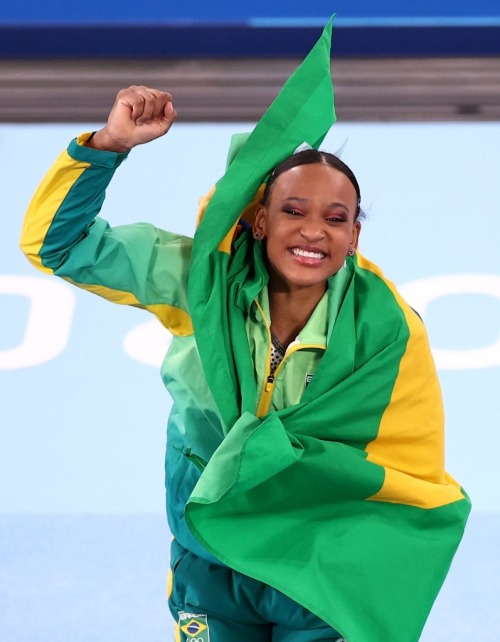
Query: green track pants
(213, 603)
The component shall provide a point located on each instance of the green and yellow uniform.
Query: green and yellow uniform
(324, 484)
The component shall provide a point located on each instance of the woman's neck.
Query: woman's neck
(291, 310)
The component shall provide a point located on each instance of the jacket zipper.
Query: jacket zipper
(270, 379)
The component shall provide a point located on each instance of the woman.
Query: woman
(305, 480)
(308, 221)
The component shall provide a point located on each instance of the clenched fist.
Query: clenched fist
(140, 114)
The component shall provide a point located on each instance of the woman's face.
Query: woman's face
(309, 226)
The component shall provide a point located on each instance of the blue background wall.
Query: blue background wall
(198, 28)
(224, 11)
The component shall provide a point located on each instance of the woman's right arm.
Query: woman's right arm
(63, 235)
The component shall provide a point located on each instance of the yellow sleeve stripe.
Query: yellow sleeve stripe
(173, 318)
(44, 205)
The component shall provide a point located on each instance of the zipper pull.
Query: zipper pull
(200, 463)
(269, 383)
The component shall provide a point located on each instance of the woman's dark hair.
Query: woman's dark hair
(309, 157)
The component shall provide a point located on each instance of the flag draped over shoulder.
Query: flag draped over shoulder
(341, 501)
(302, 112)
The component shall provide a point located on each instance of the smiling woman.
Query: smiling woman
(309, 222)
(304, 460)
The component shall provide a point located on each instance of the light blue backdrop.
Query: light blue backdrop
(82, 410)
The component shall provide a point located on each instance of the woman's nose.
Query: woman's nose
(312, 230)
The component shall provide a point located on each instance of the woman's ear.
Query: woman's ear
(355, 234)
(259, 224)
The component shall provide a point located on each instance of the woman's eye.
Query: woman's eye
(292, 212)
(335, 219)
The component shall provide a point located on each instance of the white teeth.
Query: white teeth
(309, 255)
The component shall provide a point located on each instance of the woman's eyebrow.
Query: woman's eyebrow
(341, 205)
(306, 200)
(296, 198)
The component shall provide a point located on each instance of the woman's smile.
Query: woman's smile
(309, 225)
(308, 256)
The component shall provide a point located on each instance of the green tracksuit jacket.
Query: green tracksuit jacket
(353, 462)
(146, 267)
(338, 496)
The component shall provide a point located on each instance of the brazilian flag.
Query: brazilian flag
(341, 501)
